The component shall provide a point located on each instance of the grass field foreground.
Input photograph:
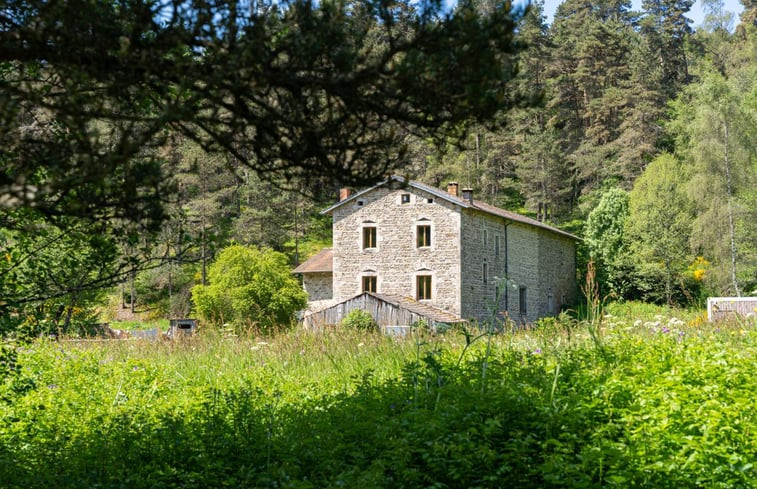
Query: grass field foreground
(643, 398)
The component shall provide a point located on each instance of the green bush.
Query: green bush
(249, 287)
(359, 320)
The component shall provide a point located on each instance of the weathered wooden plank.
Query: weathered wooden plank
(719, 308)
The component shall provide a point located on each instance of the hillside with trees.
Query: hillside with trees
(152, 142)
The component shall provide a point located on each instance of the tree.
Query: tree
(717, 128)
(604, 235)
(250, 287)
(659, 223)
(293, 89)
(50, 276)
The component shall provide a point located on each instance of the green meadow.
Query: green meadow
(642, 397)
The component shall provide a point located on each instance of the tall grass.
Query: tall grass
(669, 402)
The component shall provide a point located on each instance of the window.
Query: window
(423, 287)
(522, 301)
(405, 198)
(496, 245)
(423, 235)
(369, 283)
(369, 237)
(359, 203)
(486, 236)
(430, 200)
(486, 272)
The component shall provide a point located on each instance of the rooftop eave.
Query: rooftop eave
(425, 188)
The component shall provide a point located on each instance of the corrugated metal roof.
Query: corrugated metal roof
(465, 204)
(321, 263)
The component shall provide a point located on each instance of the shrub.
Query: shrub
(249, 286)
(359, 320)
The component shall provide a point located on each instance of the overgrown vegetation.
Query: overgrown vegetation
(250, 288)
(667, 401)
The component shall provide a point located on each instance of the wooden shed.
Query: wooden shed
(391, 313)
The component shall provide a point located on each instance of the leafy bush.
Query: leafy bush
(359, 320)
(249, 286)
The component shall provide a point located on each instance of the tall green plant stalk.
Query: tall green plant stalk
(594, 306)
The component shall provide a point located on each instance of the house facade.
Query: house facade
(442, 249)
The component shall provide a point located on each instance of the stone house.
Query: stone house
(442, 249)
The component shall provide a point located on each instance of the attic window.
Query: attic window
(430, 200)
(405, 199)
(359, 203)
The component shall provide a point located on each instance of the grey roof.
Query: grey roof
(459, 201)
(320, 263)
(425, 310)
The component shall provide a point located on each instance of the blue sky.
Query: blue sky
(695, 13)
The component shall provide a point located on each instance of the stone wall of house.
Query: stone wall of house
(557, 273)
(480, 233)
(396, 261)
(540, 268)
(319, 286)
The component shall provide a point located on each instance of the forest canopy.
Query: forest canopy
(140, 138)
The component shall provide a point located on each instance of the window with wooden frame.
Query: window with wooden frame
(523, 301)
(369, 283)
(423, 235)
(423, 287)
(369, 237)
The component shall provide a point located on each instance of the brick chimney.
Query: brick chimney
(452, 188)
(468, 194)
(344, 193)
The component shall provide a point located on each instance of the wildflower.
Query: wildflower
(637, 323)
(360, 344)
(665, 330)
(537, 351)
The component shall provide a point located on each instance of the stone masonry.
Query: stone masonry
(396, 260)
(481, 260)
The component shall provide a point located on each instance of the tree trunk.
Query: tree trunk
(133, 293)
(731, 223)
